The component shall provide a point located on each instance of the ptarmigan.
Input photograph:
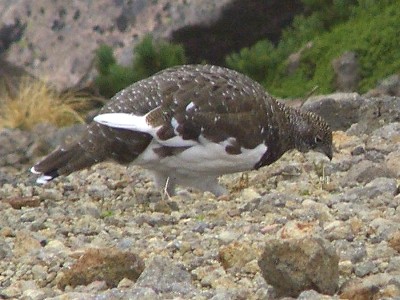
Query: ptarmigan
(189, 125)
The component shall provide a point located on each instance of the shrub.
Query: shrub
(149, 58)
(112, 76)
(257, 61)
(365, 26)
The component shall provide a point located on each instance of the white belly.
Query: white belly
(202, 159)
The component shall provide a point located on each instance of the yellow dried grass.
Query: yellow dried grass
(34, 102)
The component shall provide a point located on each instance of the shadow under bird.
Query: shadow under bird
(188, 125)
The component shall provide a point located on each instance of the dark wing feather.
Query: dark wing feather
(216, 103)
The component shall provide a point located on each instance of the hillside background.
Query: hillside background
(291, 47)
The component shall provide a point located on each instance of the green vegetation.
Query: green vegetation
(367, 27)
(112, 76)
(150, 57)
(259, 61)
(107, 214)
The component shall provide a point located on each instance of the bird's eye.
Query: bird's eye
(318, 139)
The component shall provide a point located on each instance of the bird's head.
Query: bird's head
(313, 133)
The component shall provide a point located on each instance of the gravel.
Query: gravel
(196, 246)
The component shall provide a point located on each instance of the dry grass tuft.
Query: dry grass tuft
(34, 102)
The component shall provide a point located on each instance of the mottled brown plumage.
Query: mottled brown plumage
(191, 122)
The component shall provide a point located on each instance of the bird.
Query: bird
(188, 125)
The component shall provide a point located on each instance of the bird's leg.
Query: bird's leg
(242, 183)
(166, 190)
(244, 179)
(165, 184)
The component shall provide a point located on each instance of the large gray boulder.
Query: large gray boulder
(340, 110)
(58, 38)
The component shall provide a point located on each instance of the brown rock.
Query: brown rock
(296, 265)
(107, 264)
(342, 140)
(6, 232)
(296, 229)
(373, 287)
(394, 241)
(236, 255)
(360, 293)
(390, 291)
(19, 202)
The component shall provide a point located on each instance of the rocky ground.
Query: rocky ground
(305, 227)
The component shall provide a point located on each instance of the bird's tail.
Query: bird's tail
(63, 161)
(97, 144)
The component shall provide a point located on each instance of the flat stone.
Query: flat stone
(364, 172)
(164, 276)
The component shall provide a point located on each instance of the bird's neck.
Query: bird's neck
(283, 133)
(298, 127)
(290, 118)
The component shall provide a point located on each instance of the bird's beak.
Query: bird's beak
(328, 152)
